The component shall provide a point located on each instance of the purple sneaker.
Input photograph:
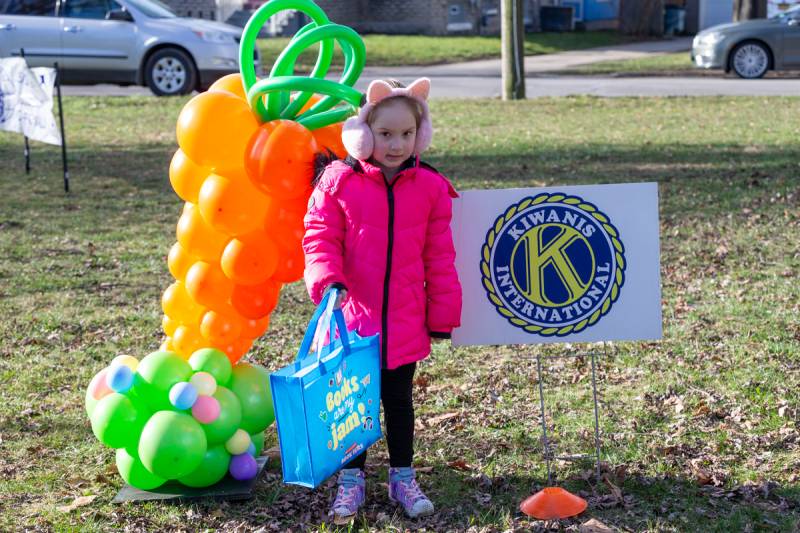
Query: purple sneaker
(404, 489)
(349, 496)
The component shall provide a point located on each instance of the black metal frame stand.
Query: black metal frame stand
(545, 442)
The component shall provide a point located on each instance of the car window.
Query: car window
(86, 9)
(41, 8)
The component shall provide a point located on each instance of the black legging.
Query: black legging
(398, 414)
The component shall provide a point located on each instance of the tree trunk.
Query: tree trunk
(641, 17)
(749, 9)
(512, 35)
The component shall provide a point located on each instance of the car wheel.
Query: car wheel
(169, 72)
(750, 60)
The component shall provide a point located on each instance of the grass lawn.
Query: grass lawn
(677, 63)
(392, 50)
(699, 430)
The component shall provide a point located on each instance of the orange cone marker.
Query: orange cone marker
(553, 502)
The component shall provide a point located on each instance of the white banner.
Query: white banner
(558, 264)
(26, 100)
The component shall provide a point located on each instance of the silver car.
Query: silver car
(751, 48)
(127, 42)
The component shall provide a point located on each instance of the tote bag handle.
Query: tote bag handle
(324, 317)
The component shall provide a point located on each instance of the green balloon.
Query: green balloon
(156, 374)
(258, 441)
(134, 473)
(145, 413)
(212, 361)
(211, 470)
(250, 383)
(112, 420)
(172, 444)
(230, 416)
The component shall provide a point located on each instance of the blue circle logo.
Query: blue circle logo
(553, 264)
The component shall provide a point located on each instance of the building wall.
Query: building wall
(341, 11)
(428, 17)
(604, 10)
(205, 9)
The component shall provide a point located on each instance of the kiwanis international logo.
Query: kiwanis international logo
(553, 264)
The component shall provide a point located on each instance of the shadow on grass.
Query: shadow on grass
(465, 499)
(146, 166)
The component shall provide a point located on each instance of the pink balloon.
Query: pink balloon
(206, 409)
(98, 387)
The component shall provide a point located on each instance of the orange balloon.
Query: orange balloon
(231, 83)
(232, 204)
(284, 223)
(250, 259)
(256, 301)
(207, 285)
(187, 340)
(290, 265)
(169, 325)
(179, 306)
(167, 346)
(330, 137)
(213, 129)
(252, 329)
(237, 349)
(280, 159)
(198, 238)
(179, 261)
(219, 329)
(186, 176)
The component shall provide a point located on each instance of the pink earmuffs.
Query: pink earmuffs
(356, 135)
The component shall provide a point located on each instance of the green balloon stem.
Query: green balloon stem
(279, 103)
(320, 120)
(339, 91)
(248, 45)
(284, 65)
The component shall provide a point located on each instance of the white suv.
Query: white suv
(127, 42)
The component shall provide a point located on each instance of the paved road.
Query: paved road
(536, 87)
(481, 79)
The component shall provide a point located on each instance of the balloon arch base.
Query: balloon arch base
(227, 488)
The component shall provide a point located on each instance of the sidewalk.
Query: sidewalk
(540, 63)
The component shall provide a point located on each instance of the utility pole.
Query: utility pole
(512, 35)
(749, 9)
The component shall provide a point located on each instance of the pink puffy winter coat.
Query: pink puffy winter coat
(392, 248)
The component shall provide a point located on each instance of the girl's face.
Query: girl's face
(394, 129)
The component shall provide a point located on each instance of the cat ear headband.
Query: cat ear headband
(356, 135)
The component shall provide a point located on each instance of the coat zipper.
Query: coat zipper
(385, 310)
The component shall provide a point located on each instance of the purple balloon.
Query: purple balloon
(243, 467)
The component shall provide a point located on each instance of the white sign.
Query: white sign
(26, 100)
(558, 264)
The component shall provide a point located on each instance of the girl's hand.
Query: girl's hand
(437, 340)
(339, 298)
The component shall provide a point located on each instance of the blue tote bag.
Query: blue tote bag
(327, 402)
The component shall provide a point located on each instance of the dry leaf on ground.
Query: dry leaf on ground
(77, 502)
(594, 526)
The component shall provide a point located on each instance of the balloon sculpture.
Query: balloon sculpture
(190, 411)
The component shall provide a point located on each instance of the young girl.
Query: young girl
(378, 228)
